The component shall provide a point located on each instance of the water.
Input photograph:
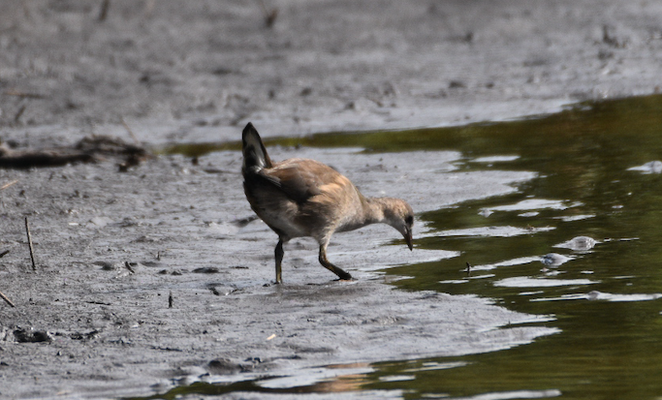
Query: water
(604, 300)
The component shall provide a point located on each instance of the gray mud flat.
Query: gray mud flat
(196, 71)
(108, 327)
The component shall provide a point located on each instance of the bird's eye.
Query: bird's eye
(409, 219)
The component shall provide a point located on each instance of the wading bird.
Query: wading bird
(301, 197)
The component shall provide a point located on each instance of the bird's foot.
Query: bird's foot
(345, 278)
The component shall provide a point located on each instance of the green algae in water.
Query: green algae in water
(604, 300)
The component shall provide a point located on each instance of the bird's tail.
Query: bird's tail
(255, 155)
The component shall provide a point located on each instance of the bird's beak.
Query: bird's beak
(408, 239)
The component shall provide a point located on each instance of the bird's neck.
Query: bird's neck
(370, 211)
(373, 209)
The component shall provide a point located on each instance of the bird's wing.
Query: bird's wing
(300, 179)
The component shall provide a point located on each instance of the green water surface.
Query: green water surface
(604, 301)
(608, 348)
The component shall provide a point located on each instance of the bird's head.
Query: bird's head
(400, 215)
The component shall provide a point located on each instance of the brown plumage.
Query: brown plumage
(301, 197)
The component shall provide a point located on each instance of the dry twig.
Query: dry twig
(20, 112)
(126, 126)
(6, 299)
(27, 230)
(17, 93)
(6, 185)
(128, 266)
(269, 15)
(103, 12)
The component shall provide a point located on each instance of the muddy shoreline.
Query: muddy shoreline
(113, 247)
(108, 325)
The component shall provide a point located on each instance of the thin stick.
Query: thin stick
(269, 16)
(6, 185)
(27, 230)
(23, 94)
(4, 253)
(20, 112)
(5, 298)
(103, 13)
(126, 126)
(128, 266)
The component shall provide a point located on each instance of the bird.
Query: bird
(301, 197)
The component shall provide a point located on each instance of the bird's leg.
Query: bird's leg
(279, 259)
(327, 264)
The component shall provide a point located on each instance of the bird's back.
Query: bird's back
(302, 197)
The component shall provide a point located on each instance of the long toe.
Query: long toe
(345, 277)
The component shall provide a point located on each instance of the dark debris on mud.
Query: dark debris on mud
(89, 149)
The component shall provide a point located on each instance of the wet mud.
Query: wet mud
(155, 277)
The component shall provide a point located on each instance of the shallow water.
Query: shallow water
(603, 300)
